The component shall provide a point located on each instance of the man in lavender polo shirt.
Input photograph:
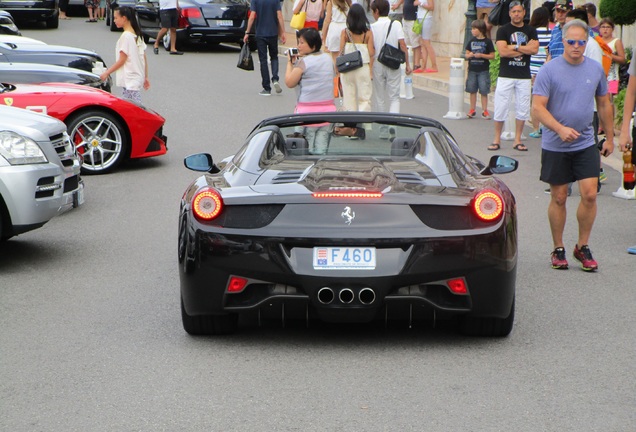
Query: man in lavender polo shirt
(564, 93)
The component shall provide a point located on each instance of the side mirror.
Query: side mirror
(200, 162)
(500, 165)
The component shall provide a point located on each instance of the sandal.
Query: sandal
(494, 147)
(520, 147)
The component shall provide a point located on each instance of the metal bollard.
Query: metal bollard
(510, 125)
(456, 90)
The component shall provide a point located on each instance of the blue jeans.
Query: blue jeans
(265, 44)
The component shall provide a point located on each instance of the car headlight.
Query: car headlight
(20, 150)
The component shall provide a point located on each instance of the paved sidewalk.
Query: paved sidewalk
(439, 82)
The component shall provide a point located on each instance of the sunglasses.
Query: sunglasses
(574, 42)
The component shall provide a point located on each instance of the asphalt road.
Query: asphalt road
(90, 328)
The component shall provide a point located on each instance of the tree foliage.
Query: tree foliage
(623, 12)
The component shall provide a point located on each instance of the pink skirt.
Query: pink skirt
(315, 107)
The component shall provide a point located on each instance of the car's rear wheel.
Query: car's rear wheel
(200, 325)
(489, 327)
(100, 139)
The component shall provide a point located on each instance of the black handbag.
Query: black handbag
(350, 61)
(245, 58)
(391, 56)
(494, 17)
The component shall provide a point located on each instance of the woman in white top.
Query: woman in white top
(606, 28)
(335, 22)
(131, 65)
(425, 10)
(357, 87)
(312, 72)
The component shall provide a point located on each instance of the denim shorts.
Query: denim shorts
(478, 80)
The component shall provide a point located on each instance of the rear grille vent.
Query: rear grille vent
(287, 177)
(409, 177)
(248, 216)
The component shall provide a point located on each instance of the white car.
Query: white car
(39, 171)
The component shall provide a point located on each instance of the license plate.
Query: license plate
(225, 23)
(344, 258)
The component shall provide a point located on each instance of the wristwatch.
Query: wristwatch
(516, 48)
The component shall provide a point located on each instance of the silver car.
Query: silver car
(39, 171)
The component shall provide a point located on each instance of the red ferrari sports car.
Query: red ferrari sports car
(104, 128)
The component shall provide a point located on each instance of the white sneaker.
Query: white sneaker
(277, 87)
(265, 92)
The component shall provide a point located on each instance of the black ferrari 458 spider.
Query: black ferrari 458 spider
(348, 217)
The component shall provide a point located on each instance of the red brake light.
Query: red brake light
(347, 194)
(457, 286)
(488, 205)
(191, 13)
(236, 284)
(207, 204)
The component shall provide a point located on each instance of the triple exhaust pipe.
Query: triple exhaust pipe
(327, 295)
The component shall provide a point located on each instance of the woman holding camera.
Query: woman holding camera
(311, 72)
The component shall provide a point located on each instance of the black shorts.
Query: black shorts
(169, 18)
(558, 168)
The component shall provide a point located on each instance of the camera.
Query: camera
(293, 51)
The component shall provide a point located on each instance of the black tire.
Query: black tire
(53, 22)
(488, 327)
(203, 325)
(102, 149)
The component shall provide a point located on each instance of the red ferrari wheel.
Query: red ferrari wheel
(100, 139)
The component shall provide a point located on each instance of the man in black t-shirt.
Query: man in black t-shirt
(516, 42)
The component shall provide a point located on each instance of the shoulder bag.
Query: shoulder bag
(494, 17)
(350, 61)
(391, 56)
(298, 20)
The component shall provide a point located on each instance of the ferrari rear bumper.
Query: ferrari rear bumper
(424, 276)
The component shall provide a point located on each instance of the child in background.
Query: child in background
(479, 51)
(131, 65)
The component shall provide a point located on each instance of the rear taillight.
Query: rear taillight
(457, 286)
(191, 13)
(488, 205)
(207, 204)
(236, 284)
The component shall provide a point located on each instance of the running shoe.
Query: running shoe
(486, 115)
(602, 177)
(558, 259)
(535, 134)
(584, 256)
(265, 92)
(471, 113)
(277, 87)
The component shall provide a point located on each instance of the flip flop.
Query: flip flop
(520, 147)
(494, 147)
(430, 71)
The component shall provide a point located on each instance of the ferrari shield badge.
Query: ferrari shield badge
(8, 101)
(348, 215)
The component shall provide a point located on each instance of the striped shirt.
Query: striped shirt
(538, 59)
(556, 42)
